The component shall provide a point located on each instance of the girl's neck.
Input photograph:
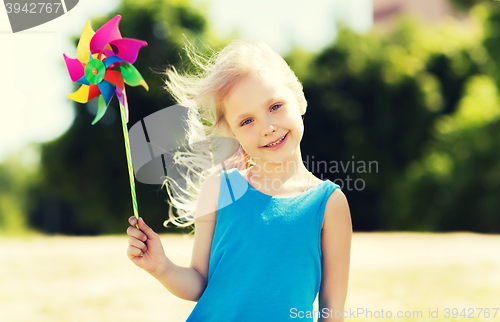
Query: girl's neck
(278, 180)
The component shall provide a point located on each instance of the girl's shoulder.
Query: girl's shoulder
(209, 194)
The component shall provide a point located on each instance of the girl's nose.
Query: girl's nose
(269, 130)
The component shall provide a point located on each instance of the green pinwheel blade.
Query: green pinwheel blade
(101, 110)
(131, 75)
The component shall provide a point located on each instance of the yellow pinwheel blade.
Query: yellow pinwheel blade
(83, 49)
(81, 95)
(144, 84)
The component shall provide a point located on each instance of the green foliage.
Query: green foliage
(465, 5)
(18, 175)
(84, 187)
(459, 176)
(420, 102)
(423, 103)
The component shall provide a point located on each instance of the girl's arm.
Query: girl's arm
(204, 223)
(336, 251)
(146, 251)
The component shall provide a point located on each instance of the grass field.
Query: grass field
(60, 278)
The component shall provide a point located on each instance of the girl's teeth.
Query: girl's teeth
(277, 142)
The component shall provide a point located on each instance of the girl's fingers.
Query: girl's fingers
(133, 252)
(145, 228)
(132, 221)
(132, 241)
(136, 233)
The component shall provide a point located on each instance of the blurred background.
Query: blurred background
(410, 86)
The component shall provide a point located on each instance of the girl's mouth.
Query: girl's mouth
(277, 144)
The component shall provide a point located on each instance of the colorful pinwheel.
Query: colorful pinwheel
(103, 65)
(104, 62)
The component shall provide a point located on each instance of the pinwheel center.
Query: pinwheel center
(94, 71)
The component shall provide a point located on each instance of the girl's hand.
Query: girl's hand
(145, 249)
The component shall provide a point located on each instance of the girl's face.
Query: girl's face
(261, 110)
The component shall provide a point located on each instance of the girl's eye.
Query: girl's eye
(279, 105)
(274, 106)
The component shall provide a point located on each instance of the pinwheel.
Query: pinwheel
(103, 66)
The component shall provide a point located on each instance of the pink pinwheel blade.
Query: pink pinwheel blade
(127, 48)
(104, 35)
(75, 68)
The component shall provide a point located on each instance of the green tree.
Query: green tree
(84, 188)
(378, 98)
(465, 5)
(455, 185)
(18, 174)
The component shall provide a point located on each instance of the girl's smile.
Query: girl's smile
(275, 146)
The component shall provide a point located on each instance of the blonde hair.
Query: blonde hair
(203, 93)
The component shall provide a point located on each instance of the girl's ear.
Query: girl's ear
(302, 105)
(302, 108)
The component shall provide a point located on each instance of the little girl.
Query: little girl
(269, 235)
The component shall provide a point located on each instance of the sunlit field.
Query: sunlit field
(91, 279)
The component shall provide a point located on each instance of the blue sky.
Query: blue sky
(34, 81)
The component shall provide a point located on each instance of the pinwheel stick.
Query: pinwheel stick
(103, 66)
(129, 163)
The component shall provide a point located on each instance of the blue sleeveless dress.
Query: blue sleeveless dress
(265, 260)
